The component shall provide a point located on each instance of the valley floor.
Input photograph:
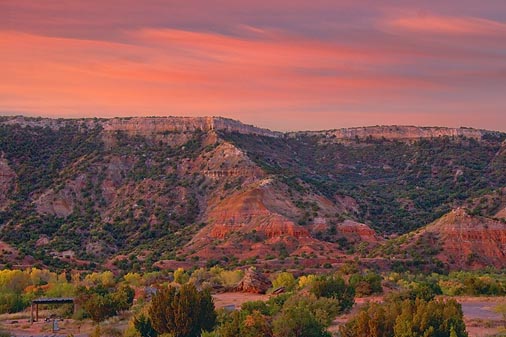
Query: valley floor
(19, 324)
(480, 318)
(479, 315)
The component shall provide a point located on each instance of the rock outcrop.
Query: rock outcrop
(357, 232)
(470, 241)
(61, 203)
(260, 220)
(152, 125)
(501, 214)
(254, 282)
(156, 125)
(226, 161)
(397, 132)
(247, 213)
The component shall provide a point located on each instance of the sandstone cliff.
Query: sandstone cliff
(155, 125)
(147, 126)
(397, 132)
(470, 241)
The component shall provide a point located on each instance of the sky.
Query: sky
(280, 64)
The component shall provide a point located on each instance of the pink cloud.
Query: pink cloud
(171, 70)
(437, 24)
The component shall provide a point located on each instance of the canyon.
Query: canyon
(136, 193)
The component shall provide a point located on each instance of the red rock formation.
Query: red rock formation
(355, 231)
(256, 222)
(501, 214)
(227, 161)
(247, 213)
(470, 241)
(278, 227)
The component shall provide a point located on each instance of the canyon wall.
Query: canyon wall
(397, 132)
(152, 125)
(468, 240)
(145, 126)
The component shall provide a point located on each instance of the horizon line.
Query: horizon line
(256, 126)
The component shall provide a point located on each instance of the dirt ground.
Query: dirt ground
(479, 315)
(236, 299)
(21, 326)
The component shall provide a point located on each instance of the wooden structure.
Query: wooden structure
(58, 300)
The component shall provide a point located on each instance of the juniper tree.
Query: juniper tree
(183, 312)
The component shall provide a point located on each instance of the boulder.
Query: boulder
(254, 282)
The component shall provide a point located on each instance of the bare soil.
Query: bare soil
(480, 317)
(236, 299)
(19, 325)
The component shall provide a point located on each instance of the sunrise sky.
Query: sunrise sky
(281, 64)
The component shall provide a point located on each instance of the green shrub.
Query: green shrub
(334, 287)
(183, 312)
(366, 284)
(285, 280)
(298, 321)
(416, 318)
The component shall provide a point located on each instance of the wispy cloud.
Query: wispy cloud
(423, 22)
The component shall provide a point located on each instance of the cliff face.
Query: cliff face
(150, 126)
(155, 125)
(397, 132)
(470, 241)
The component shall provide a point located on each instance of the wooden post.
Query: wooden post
(36, 312)
(31, 314)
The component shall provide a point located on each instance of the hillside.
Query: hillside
(129, 192)
(457, 239)
(396, 186)
(470, 241)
